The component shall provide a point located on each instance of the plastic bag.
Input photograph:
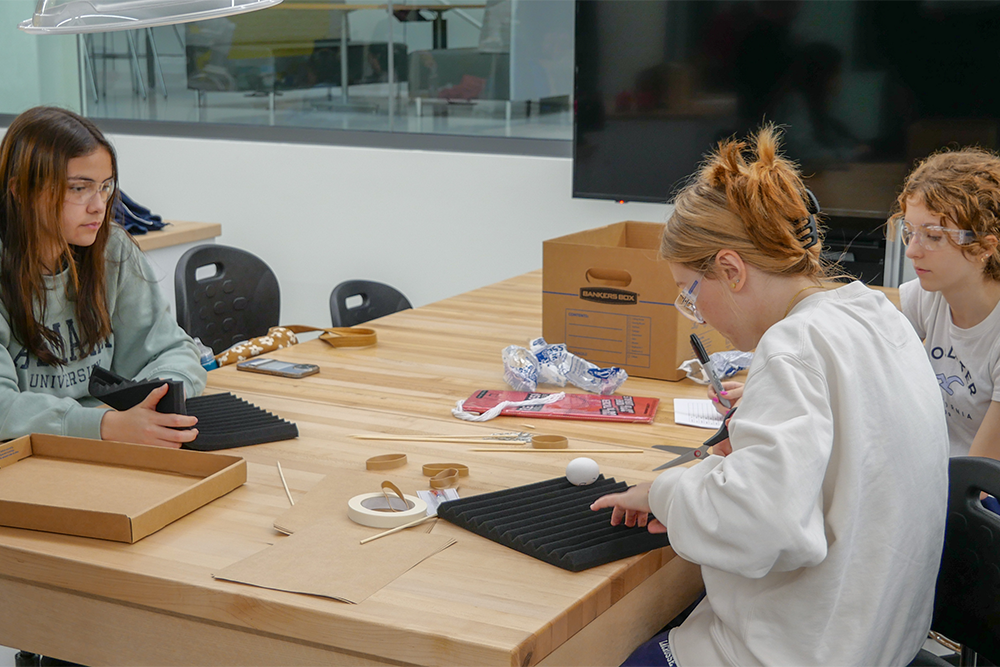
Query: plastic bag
(727, 364)
(525, 369)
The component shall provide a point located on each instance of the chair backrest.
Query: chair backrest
(376, 300)
(240, 299)
(967, 598)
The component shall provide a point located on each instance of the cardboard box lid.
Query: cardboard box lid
(626, 234)
(108, 490)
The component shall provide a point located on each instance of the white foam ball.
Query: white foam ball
(582, 471)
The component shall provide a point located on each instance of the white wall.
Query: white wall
(432, 224)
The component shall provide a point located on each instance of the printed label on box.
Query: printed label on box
(606, 338)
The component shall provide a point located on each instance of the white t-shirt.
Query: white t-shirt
(819, 537)
(966, 361)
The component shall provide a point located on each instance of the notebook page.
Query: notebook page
(698, 412)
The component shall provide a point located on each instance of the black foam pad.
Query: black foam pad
(226, 421)
(552, 521)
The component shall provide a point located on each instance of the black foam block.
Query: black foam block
(552, 521)
(226, 421)
(122, 394)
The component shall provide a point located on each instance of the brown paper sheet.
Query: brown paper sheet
(327, 559)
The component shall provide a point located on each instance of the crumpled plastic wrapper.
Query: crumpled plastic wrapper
(520, 368)
(525, 369)
(727, 364)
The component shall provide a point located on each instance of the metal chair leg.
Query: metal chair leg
(135, 62)
(156, 60)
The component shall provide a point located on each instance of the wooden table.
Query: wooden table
(178, 232)
(476, 603)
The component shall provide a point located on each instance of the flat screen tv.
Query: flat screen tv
(862, 89)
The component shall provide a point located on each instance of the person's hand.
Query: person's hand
(724, 448)
(731, 391)
(143, 425)
(632, 506)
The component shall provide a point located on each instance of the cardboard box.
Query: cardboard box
(608, 296)
(108, 490)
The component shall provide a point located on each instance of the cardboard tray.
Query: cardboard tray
(108, 490)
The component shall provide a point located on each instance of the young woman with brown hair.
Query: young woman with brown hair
(76, 292)
(819, 528)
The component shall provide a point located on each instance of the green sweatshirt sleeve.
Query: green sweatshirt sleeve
(148, 342)
(24, 412)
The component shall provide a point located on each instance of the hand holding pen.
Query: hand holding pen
(706, 363)
(732, 391)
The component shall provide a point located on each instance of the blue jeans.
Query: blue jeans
(654, 653)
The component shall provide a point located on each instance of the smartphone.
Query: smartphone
(285, 369)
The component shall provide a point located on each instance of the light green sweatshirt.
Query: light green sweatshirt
(145, 342)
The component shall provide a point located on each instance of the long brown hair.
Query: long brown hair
(34, 160)
(746, 197)
(964, 186)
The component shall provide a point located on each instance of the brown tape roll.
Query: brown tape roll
(444, 479)
(386, 462)
(431, 469)
(549, 441)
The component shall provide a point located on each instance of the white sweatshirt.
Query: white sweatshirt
(820, 535)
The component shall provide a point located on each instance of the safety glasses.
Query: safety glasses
(933, 237)
(686, 301)
(81, 191)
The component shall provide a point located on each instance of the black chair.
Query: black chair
(967, 597)
(240, 299)
(377, 300)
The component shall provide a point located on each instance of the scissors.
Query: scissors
(687, 454)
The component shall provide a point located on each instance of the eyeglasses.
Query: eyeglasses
(82, 191)
(686, 301)
(933, 237)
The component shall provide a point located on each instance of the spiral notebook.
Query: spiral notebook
(696, 412)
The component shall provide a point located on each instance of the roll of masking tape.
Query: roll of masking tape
(372, 509)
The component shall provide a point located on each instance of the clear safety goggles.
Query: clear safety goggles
(686, 301)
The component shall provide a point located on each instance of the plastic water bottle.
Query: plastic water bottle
(208, 361)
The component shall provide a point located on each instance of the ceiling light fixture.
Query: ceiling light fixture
(63, 17)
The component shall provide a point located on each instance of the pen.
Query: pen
(706, 363)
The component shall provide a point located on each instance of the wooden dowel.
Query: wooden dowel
(284, 484)
(438, 438)
(557, 451)
(415, 522)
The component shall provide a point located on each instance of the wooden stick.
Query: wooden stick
(438, 438)
(559, 451)
(284, 484)
(415, 522)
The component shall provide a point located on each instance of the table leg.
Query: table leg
(343, 57)
(135, 62)
(392, 68)
(440, 34)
